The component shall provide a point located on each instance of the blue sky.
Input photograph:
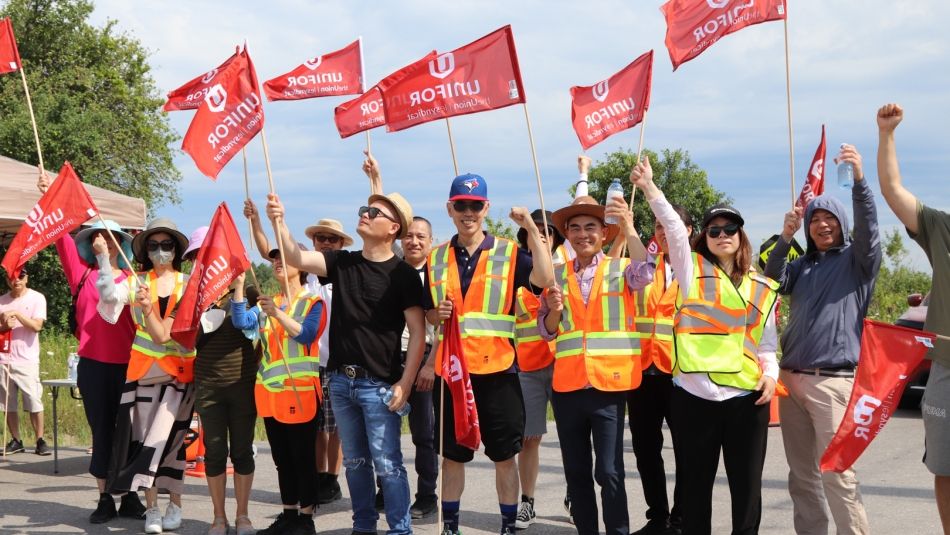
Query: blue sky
(726, 107)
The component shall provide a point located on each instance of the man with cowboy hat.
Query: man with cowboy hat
(375, 296)
(589, 312)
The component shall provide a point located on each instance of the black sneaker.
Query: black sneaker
(380, 503)
(424, 507)
(329, 489)
(304, 525)
(41, 447)
(14, 446)
(105, 510)
(655, 527)
(526, 515)
(567, 507)
(283, 524)
(131, 507)
(448, 531)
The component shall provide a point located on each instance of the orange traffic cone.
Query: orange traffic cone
(773, 412)
(195, 449)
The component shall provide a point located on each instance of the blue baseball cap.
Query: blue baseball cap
(468, 187)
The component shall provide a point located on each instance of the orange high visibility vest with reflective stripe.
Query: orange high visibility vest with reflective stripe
(718, 326)
(656, 306)
(173, 358)
(533, 353)
(485, 320)
(597, 343)
(274, 389)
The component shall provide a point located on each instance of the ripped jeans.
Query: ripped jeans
(370, 435)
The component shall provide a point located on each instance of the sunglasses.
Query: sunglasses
(475, 206)
(715, 231)
(332, 240)
(166, 245)
(372, 212)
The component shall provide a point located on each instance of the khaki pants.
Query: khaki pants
(810, 416)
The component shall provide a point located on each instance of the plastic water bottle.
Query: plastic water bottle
(72, 367)
(614, 191)
(845, 173)
(386, 394)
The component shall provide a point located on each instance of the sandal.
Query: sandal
(219, 526)
(243, 526)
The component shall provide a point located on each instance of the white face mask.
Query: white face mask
(161, 258)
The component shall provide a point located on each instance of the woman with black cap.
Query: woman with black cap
(724, 364)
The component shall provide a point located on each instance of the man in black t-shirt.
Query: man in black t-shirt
(375, 295)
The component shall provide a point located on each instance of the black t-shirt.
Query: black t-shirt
(369, 299)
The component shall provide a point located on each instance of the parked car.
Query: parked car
(914, 318)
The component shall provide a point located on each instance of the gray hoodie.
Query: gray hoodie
(830, 292)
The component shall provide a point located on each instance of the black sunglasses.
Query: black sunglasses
(372, 212)
(715, 231)
(322, 238)
(166, 245)
(475, 206)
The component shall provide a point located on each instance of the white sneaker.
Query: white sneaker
(153, 520)
(172, 518)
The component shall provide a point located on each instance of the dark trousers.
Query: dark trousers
(100, 385)
(228, 414)
(738, 428)
(294, 449)
(422, 427)
(580, 416)
(647, 407)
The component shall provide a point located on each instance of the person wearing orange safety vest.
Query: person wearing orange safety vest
(649, 405)
(158, 400)
(724, 363)
(478, 275)
(589, 313)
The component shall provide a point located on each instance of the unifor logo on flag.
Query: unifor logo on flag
(334, 73)
(454, 373)
(229, 117)
(815, 181)
(888, 355)
(482, 75)
(692, 26)
(9, 54)
(612, 105)
(220, 260)
(192, 94)
(65, 206)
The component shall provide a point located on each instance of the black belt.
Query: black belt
(827, 372)
(354, 372)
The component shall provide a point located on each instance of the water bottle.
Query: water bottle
(72, 367)
(845, 173)
(386, 394)
(614, 191)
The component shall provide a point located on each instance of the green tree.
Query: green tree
(500, 227)
(895, 281)
(682, 181)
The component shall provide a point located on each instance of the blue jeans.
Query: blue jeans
(370, 435)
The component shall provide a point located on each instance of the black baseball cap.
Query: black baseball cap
(723, 210)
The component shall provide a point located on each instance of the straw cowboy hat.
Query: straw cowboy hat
(585, 205)
(402, 207)
(329, 226)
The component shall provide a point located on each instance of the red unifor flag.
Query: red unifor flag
(888, 355)
(191, 95)
(454, 373)
(692, 26)
(9, 55)
(333, 74)
(612, 105)
(482, 75)
(815, 182)
(230, 116)
(220, 260)
(65, 206)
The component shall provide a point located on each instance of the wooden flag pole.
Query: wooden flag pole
(455, 161)
(36, 133)
(369, 144)
(250, 226)
(537, 174)
(6, 403)
(441, 482)
(788, 98)
(643, 127)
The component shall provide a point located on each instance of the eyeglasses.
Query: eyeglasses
(22, 275)
(372, 212)
(332, 240)
(475, 206)
(729, 229)
(166, 245)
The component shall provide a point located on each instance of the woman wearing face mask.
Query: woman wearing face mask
(159, 395)
(724, 365)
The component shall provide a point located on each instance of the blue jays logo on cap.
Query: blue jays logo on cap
(468, 187)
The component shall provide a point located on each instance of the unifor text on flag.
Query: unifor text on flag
(192, 94)
(366, 112)
(9, 54)
(815, 181)
(692, 26)
(220, 260)
(482, 75)
(230, 116)
(335, 73)
(65, 206)
(612, 105)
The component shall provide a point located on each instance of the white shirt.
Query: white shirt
(325, 291)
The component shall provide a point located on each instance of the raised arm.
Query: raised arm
(542, 270)
(371, 168)
(260, 239)
(157, 328)
(777, 266)
(309, 261)
(583, 165)
(618, 208)
(867, 239)
(901, 201)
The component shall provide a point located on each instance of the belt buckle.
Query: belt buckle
(350, 371)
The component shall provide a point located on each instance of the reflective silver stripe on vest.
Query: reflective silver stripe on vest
(613, 284)
(474, 326)
(624, 343)
(688, 321)
(568, 344)
(274, 374)
(440, 263)
(498, 267)
(645, 326)
(567, 316)
(663, 329)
